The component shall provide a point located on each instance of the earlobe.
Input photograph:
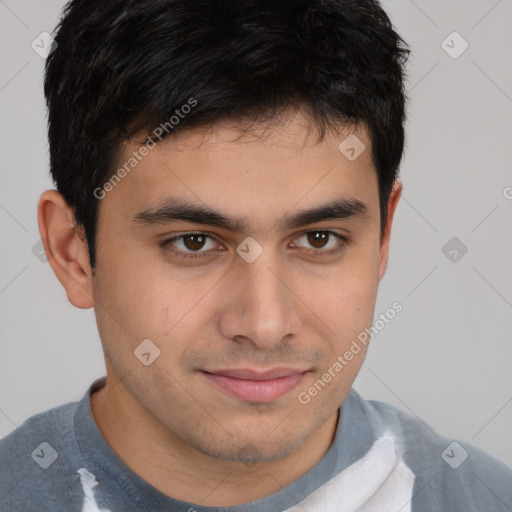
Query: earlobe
(392, 204)
(66, 250)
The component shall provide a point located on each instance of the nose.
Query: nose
(261, 308)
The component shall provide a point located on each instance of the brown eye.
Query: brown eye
(324, 242)
(190, 245)
(318, 239)
(194, 242)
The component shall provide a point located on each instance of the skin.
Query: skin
(288, 308)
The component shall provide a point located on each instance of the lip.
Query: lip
(256, 386)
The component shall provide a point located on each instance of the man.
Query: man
(227, 177)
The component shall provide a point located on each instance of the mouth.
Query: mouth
(256, 386)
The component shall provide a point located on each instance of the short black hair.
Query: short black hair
(122, 67)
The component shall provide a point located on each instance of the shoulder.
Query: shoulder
(450, 474)
(36, 459)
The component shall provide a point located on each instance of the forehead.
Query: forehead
(255, 172)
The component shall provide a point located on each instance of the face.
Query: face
(243, 319)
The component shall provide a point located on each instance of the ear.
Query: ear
(66, 249)
(384, 247)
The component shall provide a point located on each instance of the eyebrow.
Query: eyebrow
(178, 210)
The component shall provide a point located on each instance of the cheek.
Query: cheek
(151, 302)
(344, 298)
(347, 308)
(135, 290)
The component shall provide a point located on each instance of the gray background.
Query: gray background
(446, 357)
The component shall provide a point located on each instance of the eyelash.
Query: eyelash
(167, 244)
